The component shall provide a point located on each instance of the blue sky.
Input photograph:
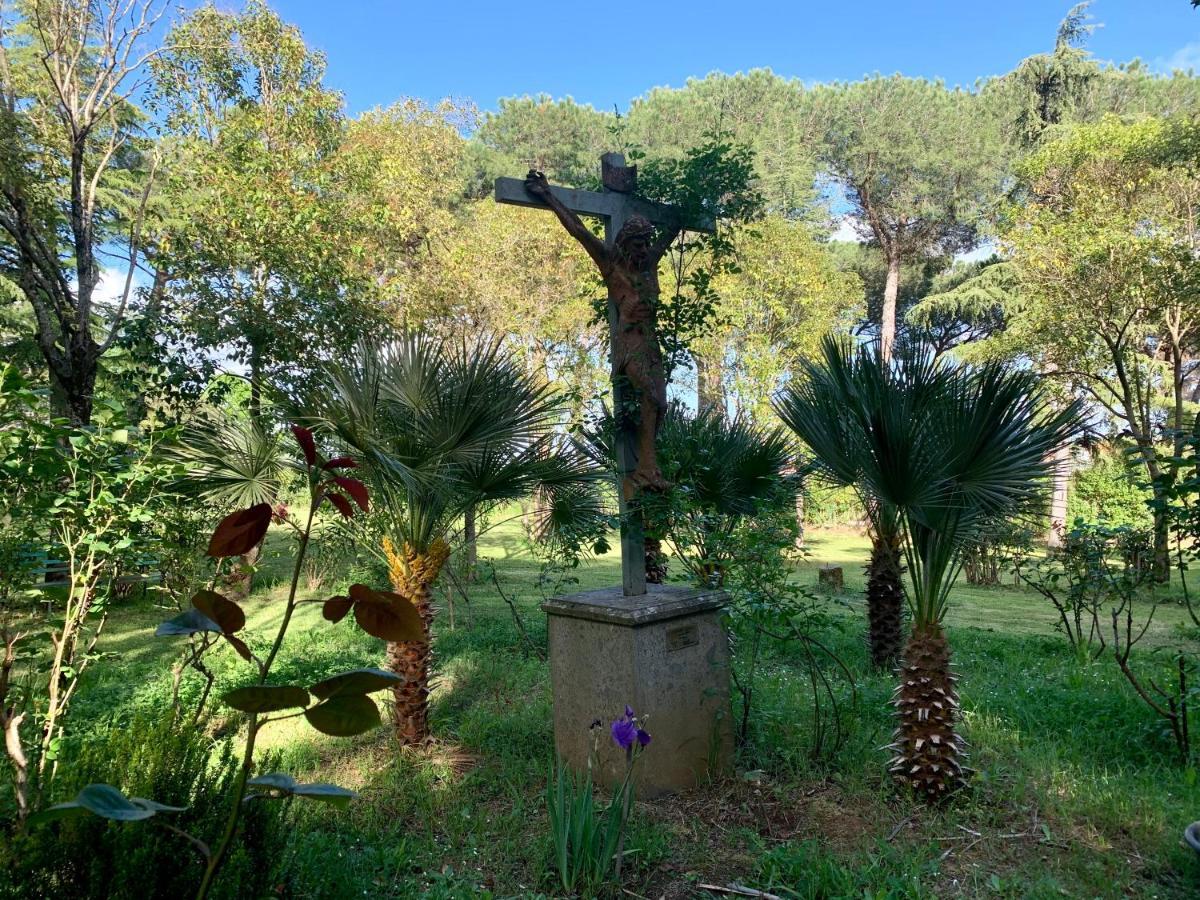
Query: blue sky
(609, 53)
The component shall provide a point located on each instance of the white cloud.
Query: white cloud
(1185, 58)
(846, 231)
(111, 286)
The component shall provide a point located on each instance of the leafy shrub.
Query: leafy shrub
(90, 857)
(826, 506)
(1108, 491)
(995, 551)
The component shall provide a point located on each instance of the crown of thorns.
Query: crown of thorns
(636, 227)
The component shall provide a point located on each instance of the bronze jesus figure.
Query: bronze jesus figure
(630, 271)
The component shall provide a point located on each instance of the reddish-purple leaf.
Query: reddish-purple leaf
(342, 504)
(335, 608)
(240, 532)
(340, 462)
(240, 646)
(386, 615)
(304, 438)
(221, 610)
(354, 488)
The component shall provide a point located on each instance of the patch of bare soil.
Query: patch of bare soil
(714, 827)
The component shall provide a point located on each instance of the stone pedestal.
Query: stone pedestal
(663, 653)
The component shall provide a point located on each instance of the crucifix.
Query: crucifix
(637, 233)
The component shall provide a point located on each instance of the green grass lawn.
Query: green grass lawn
(1075, 792)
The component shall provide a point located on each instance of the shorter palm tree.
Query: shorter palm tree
(233, 462)
(953, 450)
(723, 472)
(442, 429)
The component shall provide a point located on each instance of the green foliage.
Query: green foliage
(758, 109)
(786, 291)
(263, 230)
(76, 170)
(562, 138)
(1108, 491)
(1048, 89)
(83, 505)
(231, 461)
(726, 476)
(713, 182)
(446, 427)
(808, 871)
(953, 450)
(832, 506)
(917, 160)
(584, 839)
(148, 755)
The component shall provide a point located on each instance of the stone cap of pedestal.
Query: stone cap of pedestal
(660, 602)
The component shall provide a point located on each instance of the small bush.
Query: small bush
(832, 507)
(88, 857)
(1108, 491)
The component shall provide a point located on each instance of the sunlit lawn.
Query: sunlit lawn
(1075, 792)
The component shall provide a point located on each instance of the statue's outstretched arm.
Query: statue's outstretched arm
(536, 184)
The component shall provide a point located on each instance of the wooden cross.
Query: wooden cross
(616, 204)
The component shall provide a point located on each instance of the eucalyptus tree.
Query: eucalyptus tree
(441, 428)
(952, 450)
(76, 173)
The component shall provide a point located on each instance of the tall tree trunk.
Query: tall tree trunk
(470, 543)
(73, 380)
(799, 520)
(1058, 496)
(710, 388)
(255, 382)
(928, 748)
(412, 574)
(885, 600)
(887, 316)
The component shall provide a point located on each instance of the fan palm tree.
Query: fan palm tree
(721, 471)
(885, 567)
(731, 470)
(232, 462)
(952, 450)
(442, 429)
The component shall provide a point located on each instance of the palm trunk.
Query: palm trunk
(885, 601)
(656, 561)
(470, 543)
(412, 574)
(928, 749)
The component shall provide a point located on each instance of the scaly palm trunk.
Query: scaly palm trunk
(928, 749)
(885, 601)
(656, 562)
(412, 574)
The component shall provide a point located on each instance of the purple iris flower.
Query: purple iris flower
(625, 731)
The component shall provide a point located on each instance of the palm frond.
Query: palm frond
(951, 448)
(443, 427)
(231, 460)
